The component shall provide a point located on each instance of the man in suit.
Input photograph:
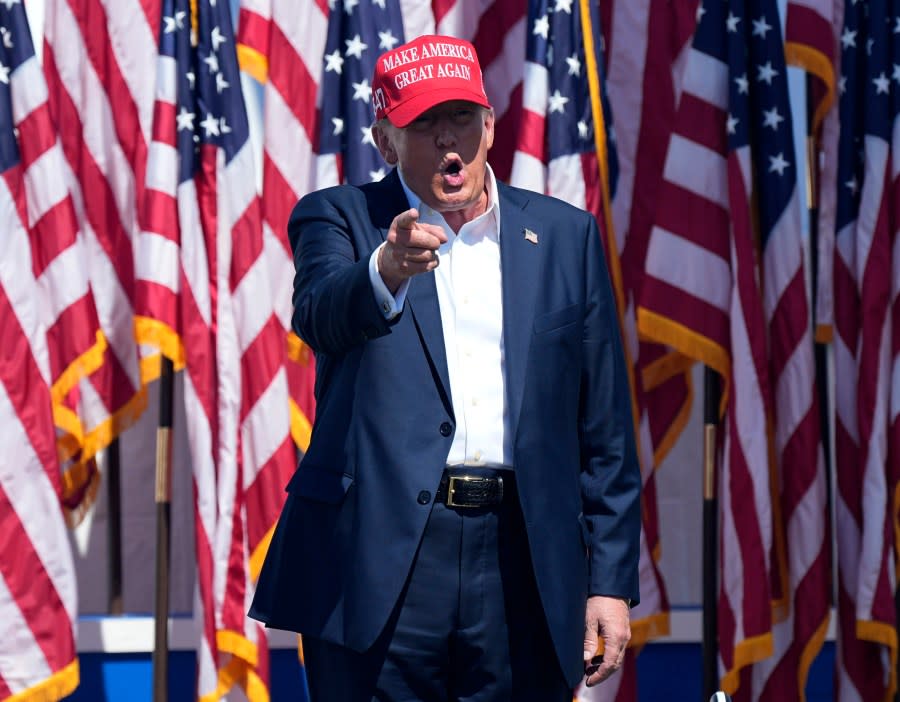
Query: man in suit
(465, 523)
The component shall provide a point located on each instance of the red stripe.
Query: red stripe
(593, 194)
(164, 125)
(531, 135)
(440, 8)
(278, 199)
(861, 659)
(493, 26)
(153, 15)
(253, 31)
(806, 26)
(234, 607)
(701, 122)
(846, 304)
(505, 131)
(799, 464)
(686, 309)
(292, 79)
(16, 185)
(159, 302)
(72, 333)
(52, 234)
(265, 495)
(694, 218)
(788, 325)
(112, 383)
(91, 18)
(301, 384)
(160, 215)
(36, 135)
(260, 363)
(205, 569)
(100, 205)
(247, 244)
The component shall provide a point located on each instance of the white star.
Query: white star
(771, 118)
(731, 124)
(386, 40)
(4, 74)
(349, 5)
(556, 102)
(174, 23)
(221, 83)
(742, 84)
(355, 47)
(766, 73)
(380, 3)
(869, 44)
(853, 185)
(700, 12)
(760, 27)
(212, 62)
(367, 137)
(563, 6)
(338, 125)
(217, 39)
(848, 39)
(541, 26)
(10, 3)
(334, 62)
(897, 26)
(210, 125)
(842, 84)
(191, 78)
(882, 84)
(777, 164)
(732, 22)
(331, 4)
(362, 90)
(583, 131)
(376, 175)
(896, 74)
(7, 37)
(574, 65)
(223, 126)
(185, 119)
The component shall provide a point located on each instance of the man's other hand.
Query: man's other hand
(410, 249)
(605, 618)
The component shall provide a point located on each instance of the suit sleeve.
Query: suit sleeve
(610, 475)
(335, 308)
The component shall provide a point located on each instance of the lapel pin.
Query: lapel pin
(531, 236)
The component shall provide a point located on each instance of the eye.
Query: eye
(422, 122)
(463, 115)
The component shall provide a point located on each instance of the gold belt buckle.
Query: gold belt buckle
(451, 488)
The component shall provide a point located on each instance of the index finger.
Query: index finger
(408, 219)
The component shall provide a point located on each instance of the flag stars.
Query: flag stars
(184, 120)
(556, 102)
(334, 62)
(216, 37)
(387, 40)
(213, 62)
(897, 25)
(542, 26)
(842, 85)
(848, 38)
(349, 5)
(376, 175)
(742, 83)
(732, 22)
(223, 126)
(563, 6)
(355, 47)
(210, 125)
(882, 84)
(583, 131)
(852, 185)
(869, 44)
(6, 37)
(761, 27)
(777, 164)
(367, 137)
(173, 24)
(896, 74)
(338, 124)
(731, 124)
(700, 12)
(362, 90)
(221, 83)
(9, 3)
(574, 65)
(766, 73)
(772, 118)
(380, 4)
(4, 74)
(191, 79)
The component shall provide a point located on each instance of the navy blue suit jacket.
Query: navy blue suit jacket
(353, 518)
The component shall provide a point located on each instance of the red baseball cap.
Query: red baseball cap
(422, 73)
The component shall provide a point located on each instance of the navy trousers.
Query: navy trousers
(469, 625)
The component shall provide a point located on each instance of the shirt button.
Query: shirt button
(386, 306)
(424, 497)
(446, 429)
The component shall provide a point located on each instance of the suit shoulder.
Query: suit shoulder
(544, 204)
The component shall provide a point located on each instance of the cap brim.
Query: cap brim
(405, 113)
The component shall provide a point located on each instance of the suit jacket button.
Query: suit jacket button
(446, 429)
(424, 497)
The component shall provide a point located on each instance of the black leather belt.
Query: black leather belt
(478, 487)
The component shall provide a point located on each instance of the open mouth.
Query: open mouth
(452, 172)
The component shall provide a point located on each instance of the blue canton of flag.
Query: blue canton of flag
(759, 113)
(359, 31)
(15, 49)
(557, 42)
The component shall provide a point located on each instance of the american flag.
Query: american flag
(729, 214)
(99, 61)
(358, 32)
(44, 300)
(865, 357)
(232, 339)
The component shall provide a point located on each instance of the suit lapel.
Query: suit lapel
(521, 256)
(388, 201)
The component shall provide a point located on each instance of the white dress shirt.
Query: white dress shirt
(470, 297)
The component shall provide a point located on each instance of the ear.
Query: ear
(383, 140)
(489, 127)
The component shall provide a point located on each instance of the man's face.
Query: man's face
(442, 155)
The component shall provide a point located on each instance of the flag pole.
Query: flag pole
(163, 504)
(711, 400)
(114, 527)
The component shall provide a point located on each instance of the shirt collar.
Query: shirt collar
(492, 211)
